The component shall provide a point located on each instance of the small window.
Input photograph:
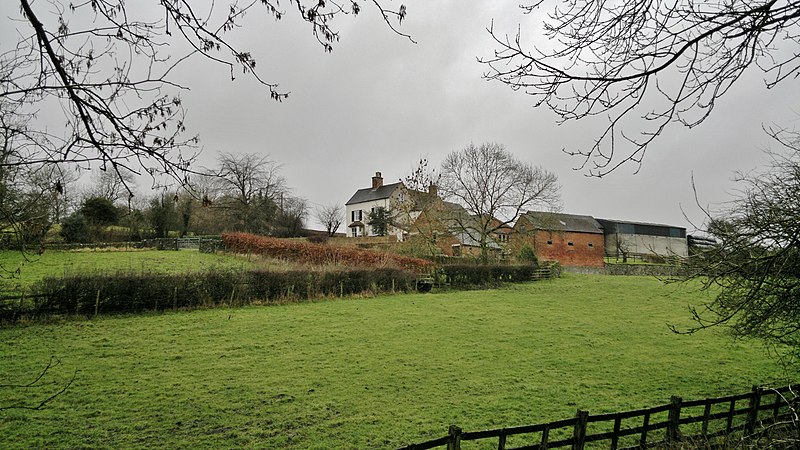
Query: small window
(549, 242)
(570, 244)
(591, 245)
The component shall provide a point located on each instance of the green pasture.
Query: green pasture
(366, 372)
(21, 269)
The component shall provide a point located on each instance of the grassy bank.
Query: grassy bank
(367, 373)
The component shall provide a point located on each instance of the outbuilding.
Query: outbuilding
(572, 240)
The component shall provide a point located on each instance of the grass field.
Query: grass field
(34, 267)
(369, 372)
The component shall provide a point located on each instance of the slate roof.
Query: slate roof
(563, 222)
(369, 194)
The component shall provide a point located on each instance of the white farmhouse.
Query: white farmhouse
(367, 200)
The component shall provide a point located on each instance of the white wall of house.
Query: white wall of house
(361, 211)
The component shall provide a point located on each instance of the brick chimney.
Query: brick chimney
(433, 190)
(377, 180)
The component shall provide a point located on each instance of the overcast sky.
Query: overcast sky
(379, 102)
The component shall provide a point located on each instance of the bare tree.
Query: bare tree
(645, 65)
(495, 188)
(107, 67)
(114, 186)
(753, 262)
(290, 218)
(31, 196)
(330, 216)
(421, 177)
(252, 188)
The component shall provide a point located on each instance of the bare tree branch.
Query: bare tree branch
(644, 65)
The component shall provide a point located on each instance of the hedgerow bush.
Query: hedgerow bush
(319, 254)
(473, 275)
(130, 293)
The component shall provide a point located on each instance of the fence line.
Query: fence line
(763, 407)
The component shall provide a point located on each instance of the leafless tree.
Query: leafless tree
(114, 186)
(753, 266)
(421, 177)
(252, 188)
(330, 216)
(290, 218)
(644, 65)
(108, 68)
(495, 188)
(245, 176)
(31, 196)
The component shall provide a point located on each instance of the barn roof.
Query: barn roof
(649, 224)
(563, 222)
(642, 228)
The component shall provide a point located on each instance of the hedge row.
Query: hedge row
(128, 293)
(319, 254)
(470, 275)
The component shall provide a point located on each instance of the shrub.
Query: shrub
(319, 254)
(130, 293)
(99, 211)
(75, 229)
(318, 239)
(528, 255)
(469, 275)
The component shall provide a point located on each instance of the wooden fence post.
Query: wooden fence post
(455, 438)
(673, 427)
(579, 432)
(501, 442)
(97, 303)
(752, 410)
(615, 435)
(645, 428)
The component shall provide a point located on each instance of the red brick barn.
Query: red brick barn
(572, 240)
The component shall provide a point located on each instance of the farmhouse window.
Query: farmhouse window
(570, 244)
(549, 242)
(591, 245)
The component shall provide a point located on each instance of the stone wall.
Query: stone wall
(643, 269)
(629, 269)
